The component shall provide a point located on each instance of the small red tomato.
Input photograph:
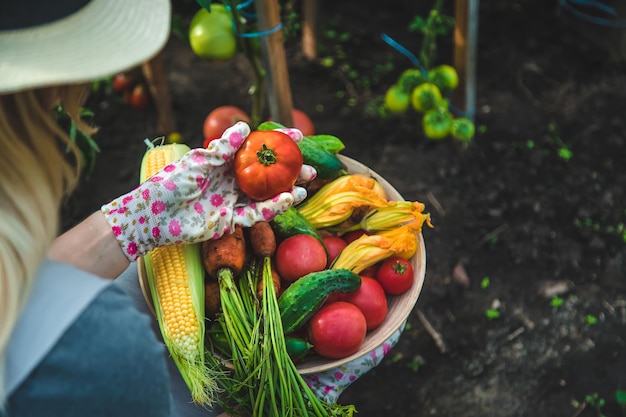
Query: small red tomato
(334, 246)
(268, 163)
(299, 255)
(122, 82)
(139, 98)
(371, 299)
(221, 118)
(337, 330)
(395, 275)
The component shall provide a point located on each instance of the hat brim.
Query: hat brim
(101, 39)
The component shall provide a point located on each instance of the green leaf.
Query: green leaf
(205, 4)
(270, 126)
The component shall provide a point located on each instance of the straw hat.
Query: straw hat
(45, 43)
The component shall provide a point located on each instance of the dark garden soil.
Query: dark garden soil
(511, 211)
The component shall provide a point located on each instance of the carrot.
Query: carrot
(262, 239)
(227, 252)
(263, 243)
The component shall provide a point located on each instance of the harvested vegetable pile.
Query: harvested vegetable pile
(280, 292)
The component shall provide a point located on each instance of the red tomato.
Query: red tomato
(395, 275)
(334, 246)
(139, 98)
(299, 255)
(122, 82)
(371, 299)
(221, 118)
(207, 141)
(267, 163)
(337, 330)
(303, 122)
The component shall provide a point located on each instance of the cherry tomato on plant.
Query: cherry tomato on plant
(220, 119)
(425, 97)
(337, 330)
(462, 129)
(396, 101)
(437, 123)
(395, 275)
(334, 246)
(444, 76)
(371, 299)
(299, 255)
(211, 34)
(122, 82)
(139, 97)
(410, 79)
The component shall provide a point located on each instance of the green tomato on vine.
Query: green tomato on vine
(396, 101)
(211, 34)
(437, 123)
(426, 96)
(445, 77)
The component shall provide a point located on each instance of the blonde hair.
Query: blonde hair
(39, 167)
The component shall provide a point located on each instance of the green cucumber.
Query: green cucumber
(290, 223)
(297, 348)
(318, 151)
(326, 163)
(305, 296)
(331, 143)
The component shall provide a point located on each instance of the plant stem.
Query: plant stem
(247, 46)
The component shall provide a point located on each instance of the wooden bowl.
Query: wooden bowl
(399, 306)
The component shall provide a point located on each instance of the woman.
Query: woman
(72, 344)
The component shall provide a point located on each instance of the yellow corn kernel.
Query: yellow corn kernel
(176, 281)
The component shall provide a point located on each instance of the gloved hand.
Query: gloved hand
(329, 385)
(194, 199)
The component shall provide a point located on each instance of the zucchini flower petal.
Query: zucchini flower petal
(399, 213)
(335, 202)
(371, 249)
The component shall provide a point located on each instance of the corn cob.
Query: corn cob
(176, 281)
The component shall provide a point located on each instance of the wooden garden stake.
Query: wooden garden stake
(275, 62)
(465, 45)
(309, 29)
(154, 72)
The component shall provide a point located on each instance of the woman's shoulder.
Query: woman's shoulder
(107, 362)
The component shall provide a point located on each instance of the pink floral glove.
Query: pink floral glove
(329, 385)
(194, 199)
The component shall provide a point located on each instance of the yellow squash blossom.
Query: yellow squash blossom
(391, 216)
(371, 249)
(334, 203)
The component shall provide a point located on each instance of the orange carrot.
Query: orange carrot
(262, 239)
(227, 252)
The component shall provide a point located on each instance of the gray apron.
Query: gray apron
(50, 311)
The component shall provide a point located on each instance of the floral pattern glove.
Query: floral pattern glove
(194, 199)
(329, 385)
